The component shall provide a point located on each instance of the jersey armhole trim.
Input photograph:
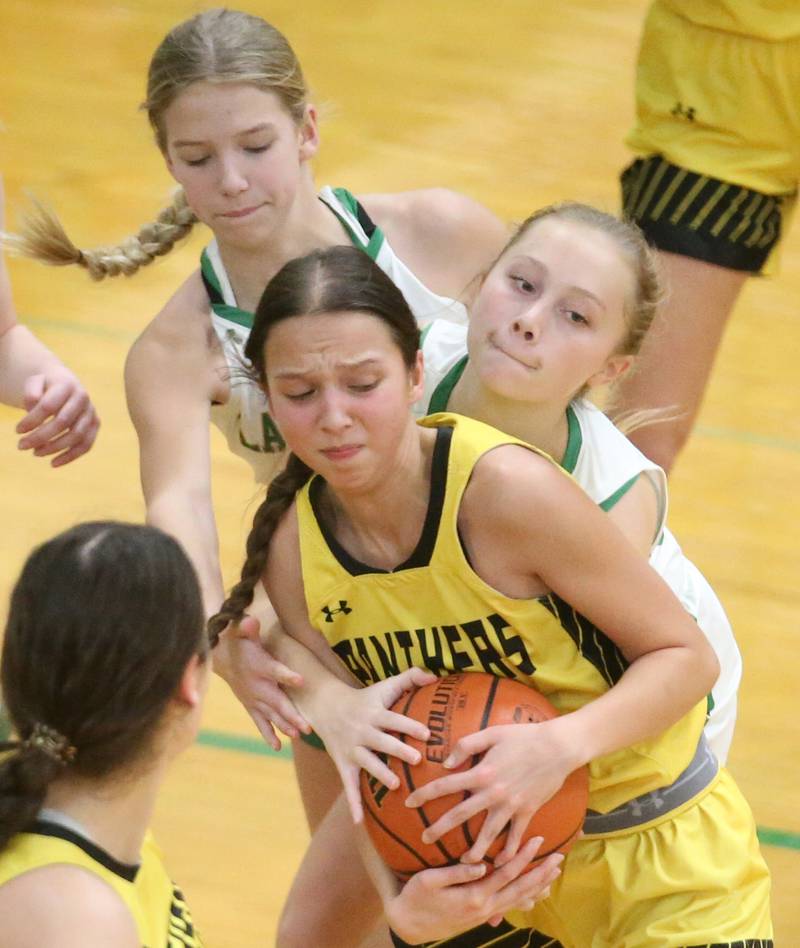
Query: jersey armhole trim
(618, 494)
(441, 394)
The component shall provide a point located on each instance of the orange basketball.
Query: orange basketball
(453, 707)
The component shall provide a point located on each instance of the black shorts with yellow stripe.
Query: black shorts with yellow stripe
(683, 212)
(503, 935)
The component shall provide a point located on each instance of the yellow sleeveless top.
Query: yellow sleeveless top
(162, 917)
(435, 612)
(769, 20)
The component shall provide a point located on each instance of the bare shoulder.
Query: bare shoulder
(179, 345)
(458, 235)
(8, 315)
(514, 478)
(283, 577)
(511, 478)
(637, 514)
(184, 317)
(63, 906)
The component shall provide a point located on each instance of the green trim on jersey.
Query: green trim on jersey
(375, 242)
(573, 450)
(574, 442)
(232, 313)
(618, 494)
(443, 391)
(244, 318)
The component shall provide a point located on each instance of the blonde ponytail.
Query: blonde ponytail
(42, 237)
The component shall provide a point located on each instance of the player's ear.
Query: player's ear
(416, 379)
(615, 367)
(308, 134)
(192, 686)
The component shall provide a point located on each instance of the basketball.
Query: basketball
(452, 708)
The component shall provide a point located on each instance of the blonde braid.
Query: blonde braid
(42, 237)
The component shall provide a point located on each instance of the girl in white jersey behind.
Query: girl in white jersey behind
(545, 295)
(229, 107)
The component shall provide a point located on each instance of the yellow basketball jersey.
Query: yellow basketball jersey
(435, 612)
(162, 917)
(759, 19)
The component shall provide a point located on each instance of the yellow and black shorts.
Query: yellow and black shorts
(717, 136)
(693, 878)
(678, 867)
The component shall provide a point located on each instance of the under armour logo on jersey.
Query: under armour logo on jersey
(330, 613)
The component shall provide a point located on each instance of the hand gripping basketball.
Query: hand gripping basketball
(452, 708)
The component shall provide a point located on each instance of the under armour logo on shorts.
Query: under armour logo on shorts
(683, 111)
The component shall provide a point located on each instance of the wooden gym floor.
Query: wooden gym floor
(515, 103)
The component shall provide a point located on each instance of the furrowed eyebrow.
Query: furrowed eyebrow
(344, 364)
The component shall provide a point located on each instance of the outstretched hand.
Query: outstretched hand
(61, 419)
(439, 903)
(356, 730)
(256, 678)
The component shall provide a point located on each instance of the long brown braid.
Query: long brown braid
(280, 494)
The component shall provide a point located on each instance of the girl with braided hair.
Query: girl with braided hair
(417, 529)
(230, 110)
(104, 670)
(544, 286)
(229, 107)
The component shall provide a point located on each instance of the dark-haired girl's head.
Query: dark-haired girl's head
(336, 348)
(336, 280)
(104, 621)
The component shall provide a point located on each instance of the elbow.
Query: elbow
(707, 666)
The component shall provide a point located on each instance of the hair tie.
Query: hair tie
(51, 742)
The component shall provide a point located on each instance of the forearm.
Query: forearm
(655, 691)
(21, 355)
(193, 526)
(323, 676)
(384, 880)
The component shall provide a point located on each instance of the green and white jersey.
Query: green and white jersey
(243, 419)
(606, 465)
